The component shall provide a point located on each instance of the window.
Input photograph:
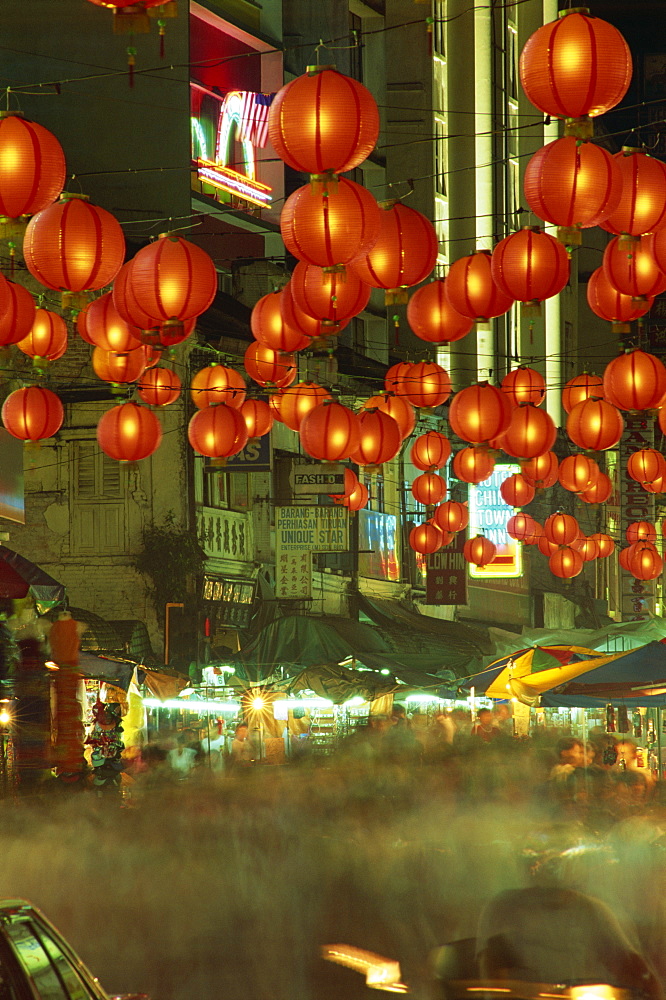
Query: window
(439, 28)
(440, 156)
(99, 498)
(42, 959)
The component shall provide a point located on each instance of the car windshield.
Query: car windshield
(52, 972)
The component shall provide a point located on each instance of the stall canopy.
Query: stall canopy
(532, 670)
(636, 673)
(19, 577)
(339, 684)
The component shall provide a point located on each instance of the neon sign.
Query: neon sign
(488, 515)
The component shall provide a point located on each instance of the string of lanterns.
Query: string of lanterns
(346, 243)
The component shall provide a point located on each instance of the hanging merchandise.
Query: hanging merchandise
(610, 719)
(107, 746)
(637, 723)
(622, 719)
(651, 733)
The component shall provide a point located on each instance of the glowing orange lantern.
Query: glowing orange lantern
(218, 384)
(32, 166)
(275, 405)
(573, 185)
(522, 527)
(451, 516)
(546, 547)
(330, 432)
(575, 66)
(607, 303)
(644, 561)
(641, 531)
(599, 491)
(566, 562)
(656, 245)
(397, 407)
(429, 489)
(561, 529)
(32, 413)
(430, 451)
(323, 122)
(426, 385)
(479, 413)
(473, 465)
(541, 471)
(631, 268)
(396, 375)
(309, 326)
(425, 538)
(270, 328)
(257, 416)
(159, 387)
(622, 558)
(642, 208)
(595, 425)
(119, 368)
(524, 385)
(129, 433)
(298, 400)
(48, 337)
(357, 499)
(17, 311)
(351, 482)
(403, 255)
(605, 543)
(479, 550)
(328, 296)
(530, 266)
(589, 549)
(379, 438)
(646, 465)
(104, 326)
(530, 433)
(580, 388)
(432, 317)
(73, 245)
(268, 367)
(218, 431)
(577, 473)
(329, 228)
(471, 290)
(635, 381)
(516, 491)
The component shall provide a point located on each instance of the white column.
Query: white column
(483, 143)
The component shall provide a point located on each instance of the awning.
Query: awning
(339, 684)
(134, 636)
(117, 672)
(635, 673)
(19, 576)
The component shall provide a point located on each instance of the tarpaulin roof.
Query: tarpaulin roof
(617, 636)
(628, 674)
(409, 631)
(19, 575)
(339, 684)
(495, 680)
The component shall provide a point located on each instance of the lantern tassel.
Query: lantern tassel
(162, 27)
(131, 60)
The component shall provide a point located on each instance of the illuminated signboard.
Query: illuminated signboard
(488, 515)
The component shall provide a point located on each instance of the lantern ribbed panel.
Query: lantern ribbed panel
(542, 470)
(473, 465)
(330, 227)
(471, 290)
(129, 433)
(112, 367)
(17, 312)
(268, 367)
(522, 527)
(641, 531)
(643, 561)
(580, 388)
(32, 414)
(270, 328)
(572, 184)
(218, 431)
(159, 387)
(595, 425)
(479, 413)
(561, 529)
(530, 265)
(397, 407)
(379, 438)
(599, 491)
(590, 549)
(126, 303)
(330, 432)
(524, 385)
(642, 208)
(358, 498)
(74, 246)
(47, 338)
(328, 295)
(631, 268)
(566, 562)
(577, 473)
(298, 400)
(425, 538)
(405, 251)
(608, 303)
(396, 375)
(516, 491)
(106, 328)
(32, 167)
(646, 465)
(451, 516)
(530, 433)
(635, 381)
(172, 279)
(218, 384)
(605, 543)
(430, 451)
(323, 122)
(426, 385)
(432, 317)
(479, 550)
(656, 245)
(575, 66)
(298, 319)
(257, 416)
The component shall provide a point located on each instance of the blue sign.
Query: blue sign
(255, 457)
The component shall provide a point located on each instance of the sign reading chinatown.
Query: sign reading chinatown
(300, 531)
(638, 597)
(489, 515)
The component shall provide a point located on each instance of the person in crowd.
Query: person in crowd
(241, 746)
(399, 741)
(181, 758)
(485, 728)
(503, 718)
(570, 755)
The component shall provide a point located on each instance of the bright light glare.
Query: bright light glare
(258, 704)
(5, 717)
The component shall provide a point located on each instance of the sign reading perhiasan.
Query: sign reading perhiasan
(300, 531)
(489, 515)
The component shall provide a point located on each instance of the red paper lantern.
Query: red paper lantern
(432, 317)
(479, 550)
(530, 265)
(530, 433)
(74, 245)
(565, 562)
(524, 385)
(546, 547)
(397, 407)
(605, 543)
(641, 531)
(607, 303)
(580, 388)
(218, 431)
(323, 122)
(599, 491)
(622, 558)
(119, 368)
(357, 499)
(403, 255)
(642, 208)
(473, 465)
(589, 549)
(631, 268)
(479, 413)
(104, 326)
(522, 527)
(575, 66)
(379, 438)
(159, 387)
(426, 385)
(471, 290)
(257, 416)
(351, 482)
(269, 326)
(430, 451)
(561, 529)
(330, 227)
(17, 312)
(429, 489)
(47, 338)
(646, 465)
(541, 471)
(32, 166)
(595, 425)
(297, 401)
(635, 381)
(32, 413)
(425, 538)
(309, 326)
(656, 245)
(275, 405)
(328, 296)
(129, 433)
(573, 185)
(577, 473)
(643, 561)
(218, 384)
(451, 516)
(516, 491)
(267, 367)
(330, 432)
(395, 376)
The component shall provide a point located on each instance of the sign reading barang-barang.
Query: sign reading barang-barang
(300, 531)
